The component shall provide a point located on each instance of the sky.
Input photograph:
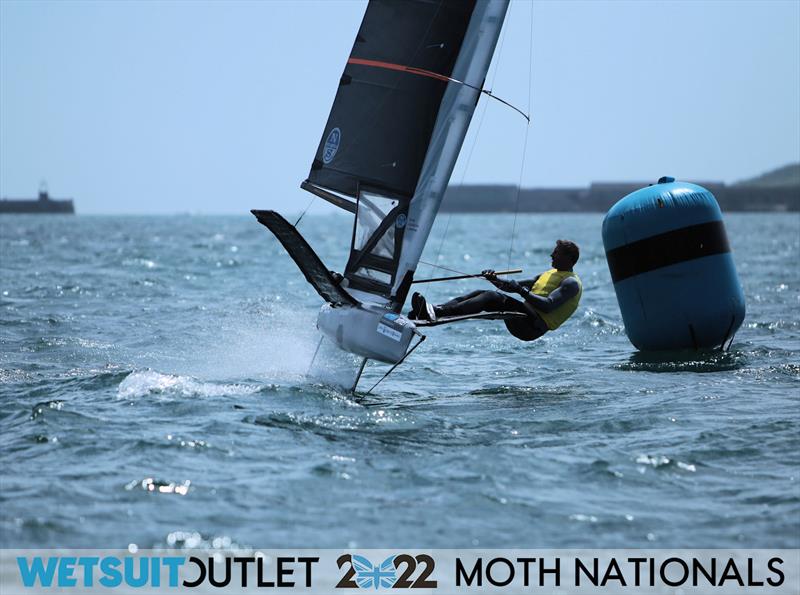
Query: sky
(218, 107)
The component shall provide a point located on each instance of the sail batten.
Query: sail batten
(331, 197)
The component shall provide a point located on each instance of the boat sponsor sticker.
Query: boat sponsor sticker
(391, 325)
(331, 145)
(387, 331)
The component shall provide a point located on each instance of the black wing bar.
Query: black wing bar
(315, 272)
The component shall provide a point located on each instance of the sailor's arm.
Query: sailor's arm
(509, 286)
(528, 283)
(501, 284)
(559, 296)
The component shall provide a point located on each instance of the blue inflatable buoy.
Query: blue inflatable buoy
(672, 268)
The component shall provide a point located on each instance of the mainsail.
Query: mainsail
(402, 109)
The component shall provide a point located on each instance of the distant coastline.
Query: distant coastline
(776, 191)
(36, 206)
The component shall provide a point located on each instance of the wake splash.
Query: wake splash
(233, 354)
(149, 382)
(273, 344)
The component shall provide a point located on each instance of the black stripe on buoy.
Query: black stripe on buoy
(666, 249)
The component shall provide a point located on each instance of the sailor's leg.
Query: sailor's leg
(477, 301)
(457, 300)
(525, 329)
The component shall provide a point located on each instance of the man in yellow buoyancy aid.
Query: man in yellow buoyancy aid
(550, 298)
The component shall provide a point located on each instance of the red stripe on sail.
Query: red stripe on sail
(433, 75)
(402, 68)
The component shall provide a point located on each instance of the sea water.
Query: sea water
(153, 391)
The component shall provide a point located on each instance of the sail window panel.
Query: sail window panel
(377, 263)
(372, 210)
(373, 258)
(373, 275)
(373, 267)
(369, 285)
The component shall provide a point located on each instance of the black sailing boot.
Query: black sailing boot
(421, 309)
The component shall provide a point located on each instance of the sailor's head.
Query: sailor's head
(565, 255)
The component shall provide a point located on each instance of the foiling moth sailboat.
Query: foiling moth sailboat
(401, 112)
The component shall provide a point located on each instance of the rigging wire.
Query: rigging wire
(438, 266)
(525, 147)
(402, 359)
(434, 75)
(308, 206)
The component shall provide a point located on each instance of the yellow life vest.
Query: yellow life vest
(546, 284)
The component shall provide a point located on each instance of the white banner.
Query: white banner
(688, 572)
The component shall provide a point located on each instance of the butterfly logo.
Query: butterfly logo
(382, 576)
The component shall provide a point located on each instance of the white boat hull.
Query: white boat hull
(369, 331)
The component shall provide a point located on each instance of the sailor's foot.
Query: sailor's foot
(416, 306)
(426, 310)
(421, 309)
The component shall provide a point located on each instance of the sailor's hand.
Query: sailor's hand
(491, 277)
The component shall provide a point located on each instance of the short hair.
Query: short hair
(570, 249)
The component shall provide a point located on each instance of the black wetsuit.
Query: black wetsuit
(526, 329)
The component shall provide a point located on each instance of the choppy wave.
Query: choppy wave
(149, 382)
(685, 361)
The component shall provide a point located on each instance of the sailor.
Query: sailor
(549, 298)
